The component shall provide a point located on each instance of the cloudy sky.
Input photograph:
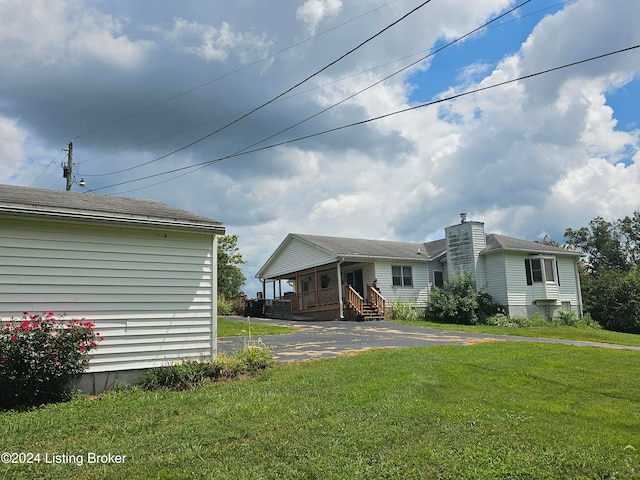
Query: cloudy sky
(149, 87)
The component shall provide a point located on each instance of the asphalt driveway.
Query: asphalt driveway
(323, 339)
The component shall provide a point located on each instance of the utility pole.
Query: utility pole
(67, 170)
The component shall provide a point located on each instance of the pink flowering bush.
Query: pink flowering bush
(42, 358)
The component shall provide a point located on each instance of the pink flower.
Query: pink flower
(25, 313)
(50, 314)
(13, 337)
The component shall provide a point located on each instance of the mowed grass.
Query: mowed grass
(228, 327)
(491, 410)
(550, 331)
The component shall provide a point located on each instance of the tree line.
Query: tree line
(610, 271)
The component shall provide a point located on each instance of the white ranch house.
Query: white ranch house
(333, 277)
(142, 271)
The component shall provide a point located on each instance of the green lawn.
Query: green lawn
(493, 410)
(228, 327)
(562, 332)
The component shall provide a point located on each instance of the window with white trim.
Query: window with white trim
(541, 269)
(402, 276)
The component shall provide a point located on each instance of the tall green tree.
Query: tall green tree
(601, 241)
(610, 276)
(230, 277)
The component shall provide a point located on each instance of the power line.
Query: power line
(201, 165)
(228, 74)
(290, 89)
(432, 52)
(46, 168)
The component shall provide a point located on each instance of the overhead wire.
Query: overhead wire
(228, 74)
(397, 72)
(201, 165)
(288, 90)
(432, 52)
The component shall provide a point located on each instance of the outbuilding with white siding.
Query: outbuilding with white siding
(142, 271)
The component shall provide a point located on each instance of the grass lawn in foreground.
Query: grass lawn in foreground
(492, 410)
(561, 332)
(228, 327)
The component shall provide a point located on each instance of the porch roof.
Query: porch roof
(298, 252)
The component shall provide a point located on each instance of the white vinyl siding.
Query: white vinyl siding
(494, 281)
(522, 297)
(150, 293)
(296, 255)
(417, 294)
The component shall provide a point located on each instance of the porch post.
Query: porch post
(340, 302)
(315, 280)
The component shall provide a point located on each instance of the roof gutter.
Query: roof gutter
(104, 219)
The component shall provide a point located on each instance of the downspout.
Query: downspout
(577, 270)
(340, 302)
(214, 299)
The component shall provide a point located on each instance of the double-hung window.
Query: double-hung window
(541, 269)
(402, 276)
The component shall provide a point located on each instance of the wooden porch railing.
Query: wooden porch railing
(353, 299)
(377, 300)
(318, 298)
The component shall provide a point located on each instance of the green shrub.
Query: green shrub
(249, 359)
(612, 298)
(503, 320)
(487, 307)
(570, 319)
(401, 310)
(179, 376)
(458, 302)
(42, 358)
(225, 307)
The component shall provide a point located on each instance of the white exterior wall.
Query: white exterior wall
(294, 256)
(569, 288)
(522, 297)
(368, 273)
(418, 294)
(494, 281)
(151, 294)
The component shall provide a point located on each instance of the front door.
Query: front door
(355, 279)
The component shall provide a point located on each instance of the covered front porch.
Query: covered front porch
(339, 290)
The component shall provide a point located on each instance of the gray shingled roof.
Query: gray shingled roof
(357, 247)
(28, 202)
(497, 243)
